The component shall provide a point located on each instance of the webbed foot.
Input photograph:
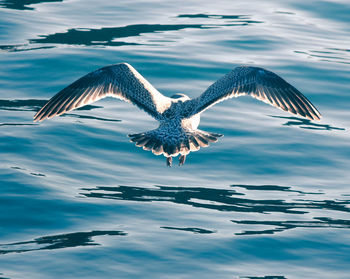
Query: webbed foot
(169, 161)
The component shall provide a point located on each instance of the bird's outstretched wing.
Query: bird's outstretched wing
(259, 83)
(121, 81)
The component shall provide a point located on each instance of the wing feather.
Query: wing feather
(121, 81)
(260, 84)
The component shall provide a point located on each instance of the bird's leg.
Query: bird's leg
(182, 160)
(169, 161)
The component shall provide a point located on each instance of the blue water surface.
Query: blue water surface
(269, 200)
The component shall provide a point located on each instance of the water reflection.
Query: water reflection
(38, 174)
(59, 241)
(22, 4)
(35, 105)
(238, 19)
(91, 117)
(1, 276)
(105, 36)
(194, 230)
(17, 124)
(31, 105)
(108, 36)
(22, 47)
(306, 124)
(274, 188)
(333, 55)
(217, 199)
(236, 201)
(280, 226)
(265, 277)
(284, 13)
(22, 105)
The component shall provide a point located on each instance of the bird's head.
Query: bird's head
(180, 97)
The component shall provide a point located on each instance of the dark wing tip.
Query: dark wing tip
(41, 116)
(303, 107)
(311, 117)
(316, 115)
(279, 93)
(46, 112)
(38, 117)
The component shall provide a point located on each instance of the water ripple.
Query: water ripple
(241, 19)
(265, 277)
(23, 5)
(1, 277)
(32, 105)
(17, 124)
(194, 230)
(333, 55)
(53, 242)
(280, 226)
(306, 123)
(108, 36)
(233, 201)
(105, 36)
(216, 199)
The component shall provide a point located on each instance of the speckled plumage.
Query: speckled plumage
(179, 116)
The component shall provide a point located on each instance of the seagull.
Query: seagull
(179, 115)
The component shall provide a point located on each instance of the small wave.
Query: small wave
(60, 241)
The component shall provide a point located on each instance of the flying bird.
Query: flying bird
(179, 115)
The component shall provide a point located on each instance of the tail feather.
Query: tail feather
(187, 142)
(194, 142)
(136, 137)
(149, 145)
(166, 148)
(144, 140)
(201, 140)
(158, 148)
(210, 138)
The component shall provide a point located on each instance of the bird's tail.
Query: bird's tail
(186, 142)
